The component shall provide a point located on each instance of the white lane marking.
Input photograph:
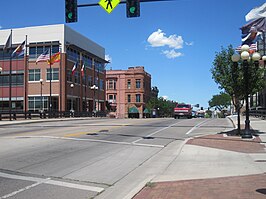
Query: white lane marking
(75, 186)
(25, 188)
(197, 126)
(92, 140)
(46, 181)
(156, 132)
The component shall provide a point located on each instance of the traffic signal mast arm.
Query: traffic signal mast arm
(122, 2)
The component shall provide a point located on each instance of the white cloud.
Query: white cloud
(171, 54)
(158, 39)
(108, 58)
(1, 27)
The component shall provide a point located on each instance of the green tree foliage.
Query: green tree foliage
(220, 101)
(164, 107)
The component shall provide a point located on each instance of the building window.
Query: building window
(35, 103)
(111, 84)
(137, 83)
(138, 98)
(129, 98)
(90, 83)
(69, 75)
(77, 77)
(101, 84)
(16, 80)
(35, 51)
(34, 74)
(54, 74)
(112, 98)
(129, 84)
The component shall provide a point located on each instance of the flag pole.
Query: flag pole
(25, 74)
(50, 97)
(10, 80)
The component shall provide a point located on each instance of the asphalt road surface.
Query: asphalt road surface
(101, 158)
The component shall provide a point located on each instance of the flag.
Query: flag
(54, 58)
(8, 44)
(82, 70)
(257, 12)
(258, 24)
(44, 56)
(74, 68)
(19, 51)
(252, 48)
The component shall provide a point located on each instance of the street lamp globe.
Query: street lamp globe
(41, 80)
(244, 48)
(256, 56)
(235, 57)
(264, 57)
(72, 85)
(245, 55)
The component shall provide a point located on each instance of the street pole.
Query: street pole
(41, 107)
(246, 133)
(72, 91)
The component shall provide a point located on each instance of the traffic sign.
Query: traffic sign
(109, 5)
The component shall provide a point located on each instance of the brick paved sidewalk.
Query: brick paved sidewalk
(242, 187)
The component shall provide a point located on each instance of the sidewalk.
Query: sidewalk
(215, 166)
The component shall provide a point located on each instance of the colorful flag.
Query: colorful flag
(252, 48)
(74, 68)
(82, 70)
(257, 12)
(8, 44)
(55, 58)
(19, 51)
(44, 56)
(258, 24)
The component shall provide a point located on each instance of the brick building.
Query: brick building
(39, 86)
(127, 91)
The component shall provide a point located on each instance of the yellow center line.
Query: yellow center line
(77, 134)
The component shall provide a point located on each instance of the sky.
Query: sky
(175, 41)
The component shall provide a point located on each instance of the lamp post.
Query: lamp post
(94, 87)
(245, 56)
(41, 107)
(72, 90)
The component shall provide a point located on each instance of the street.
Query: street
(102, 158)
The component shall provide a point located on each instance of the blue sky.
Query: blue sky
(175, 41)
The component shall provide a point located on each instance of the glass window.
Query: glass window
(138, 98)
(34, 74)
(129, 84)
(54, 73)
(137, 83)
(101, 84)
(90, 83)
(69, 75)
(129, 98)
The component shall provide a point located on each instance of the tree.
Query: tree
(220, 101)
(229, 76)
(164, 107)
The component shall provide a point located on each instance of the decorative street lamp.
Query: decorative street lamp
(72, 90)
(245, 56)
(41, 107)
(94, 87)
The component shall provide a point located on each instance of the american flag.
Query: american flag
(44, 56)
(252, 48)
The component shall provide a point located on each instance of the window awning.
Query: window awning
(133, 109)
(146, 110)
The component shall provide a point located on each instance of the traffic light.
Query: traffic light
(71, 11)
(133, 8)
